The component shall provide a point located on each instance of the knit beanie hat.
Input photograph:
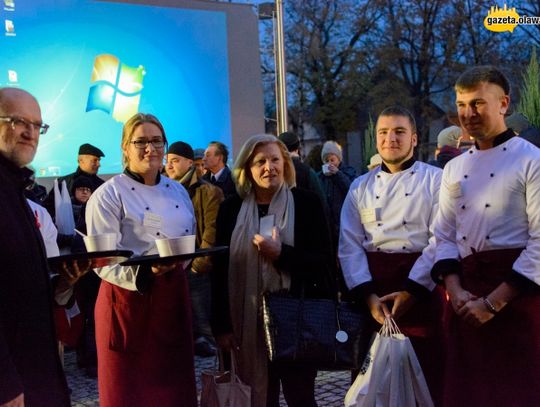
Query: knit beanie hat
(331, 147)
(82, 181)
(449, 137)
(290, 140)
(182, 149)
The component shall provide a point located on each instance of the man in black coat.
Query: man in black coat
(30, 369)
(89, 161)
(215, 159)
(306, 178)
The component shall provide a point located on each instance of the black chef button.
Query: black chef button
(412, 172)
(464, 238)
(378, 249)
(147, 208)
(404, 248)
(177, 206)
(377, 197)
(187, 230)
(488, 205)
(167, 185)
(504, 148)
(157, 233)
(487, 237)
(378, 176)
(470, 151)
(462, 206)
(465, 176)
(379, 224)
(133, 188)
(404, 222)
(492, 175)
(407, 194)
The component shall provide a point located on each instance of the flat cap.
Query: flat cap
(89, 149)
(182, 149)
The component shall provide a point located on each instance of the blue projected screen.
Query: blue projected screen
(92, 65)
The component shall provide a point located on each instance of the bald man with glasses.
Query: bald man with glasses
(30, 369)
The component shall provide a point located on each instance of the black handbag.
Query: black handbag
(320, 333)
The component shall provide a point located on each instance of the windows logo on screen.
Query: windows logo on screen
(116, 88)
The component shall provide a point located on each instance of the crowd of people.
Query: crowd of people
(450, 249)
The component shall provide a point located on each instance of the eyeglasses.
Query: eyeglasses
(142, 144)
(19, 122)
(83, 190)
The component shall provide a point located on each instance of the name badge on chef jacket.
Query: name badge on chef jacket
(151, 220)
(454, 190)
(369, 215)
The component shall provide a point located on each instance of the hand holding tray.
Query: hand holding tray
(96, 259)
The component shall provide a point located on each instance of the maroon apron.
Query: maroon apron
(145, 345)
(423, 323)
(498, 363)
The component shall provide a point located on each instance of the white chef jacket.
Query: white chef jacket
(490, 199)
(139, 214)
(46, 228)
(391, 213)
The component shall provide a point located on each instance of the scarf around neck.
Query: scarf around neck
(251, 275)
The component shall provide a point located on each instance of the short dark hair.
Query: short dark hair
(400, 111)
(221, 150)
(472, 77)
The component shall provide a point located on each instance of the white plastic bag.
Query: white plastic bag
(224, 389)
(64, 220)
(391, 375)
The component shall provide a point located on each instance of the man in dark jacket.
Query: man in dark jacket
(30, 369)
(335, 179)
(215, 159)
(206, 199)
(306, 178)
(89, 159)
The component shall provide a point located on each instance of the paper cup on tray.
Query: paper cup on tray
(176, 245)
(101, 242)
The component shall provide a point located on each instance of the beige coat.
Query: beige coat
(206, 199)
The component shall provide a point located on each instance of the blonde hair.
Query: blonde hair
(130, 126)
(241, 169)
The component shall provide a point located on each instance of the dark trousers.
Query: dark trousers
(200, 290)
(298, 385)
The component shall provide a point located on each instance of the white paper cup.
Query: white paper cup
(100, 243)
(176, 245)
(325, 169)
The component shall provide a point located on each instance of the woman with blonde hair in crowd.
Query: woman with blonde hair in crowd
(142, 314)
(295, 255)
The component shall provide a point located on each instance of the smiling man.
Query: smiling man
(30, 369)
(386, 248)
(206, 199)
(488, 253)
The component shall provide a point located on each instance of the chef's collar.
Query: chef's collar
(138, 178)
(406, 165)
(501, 138)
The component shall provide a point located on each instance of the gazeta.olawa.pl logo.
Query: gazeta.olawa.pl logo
(507, 19)
(116, 87)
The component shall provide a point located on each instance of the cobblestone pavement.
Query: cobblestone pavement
(330, 386)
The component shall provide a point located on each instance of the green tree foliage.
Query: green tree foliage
(529, 104)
